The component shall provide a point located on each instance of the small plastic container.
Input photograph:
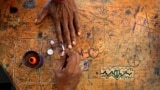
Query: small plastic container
(32, 59)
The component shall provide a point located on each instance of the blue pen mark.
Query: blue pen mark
(29, 4)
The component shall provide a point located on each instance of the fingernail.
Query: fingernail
(79, 33)
(74, 43)
(62, 54)
(35, 21)
(69, 46)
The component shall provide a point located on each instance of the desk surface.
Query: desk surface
(119, 45)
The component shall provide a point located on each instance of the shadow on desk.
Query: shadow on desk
(5, 81)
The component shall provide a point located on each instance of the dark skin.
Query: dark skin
(64, 15)
(67, 71)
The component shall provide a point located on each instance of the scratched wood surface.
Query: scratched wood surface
(119, 46)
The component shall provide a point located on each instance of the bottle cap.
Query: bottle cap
(50, 51)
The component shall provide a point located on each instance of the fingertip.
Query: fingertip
(70, 46)
(74, 43)
(79, 33)
(35, 21)
(63, 53)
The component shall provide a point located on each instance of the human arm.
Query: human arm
(67, 71)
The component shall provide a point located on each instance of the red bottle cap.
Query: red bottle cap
(32, 60)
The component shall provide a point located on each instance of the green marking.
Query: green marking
(116, 74)
(6, 66)
(38, 70)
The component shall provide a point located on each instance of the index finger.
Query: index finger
(58, 31)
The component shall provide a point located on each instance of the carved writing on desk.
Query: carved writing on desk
(117, 72)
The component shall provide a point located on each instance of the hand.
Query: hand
(65, 18)
(68, 72)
